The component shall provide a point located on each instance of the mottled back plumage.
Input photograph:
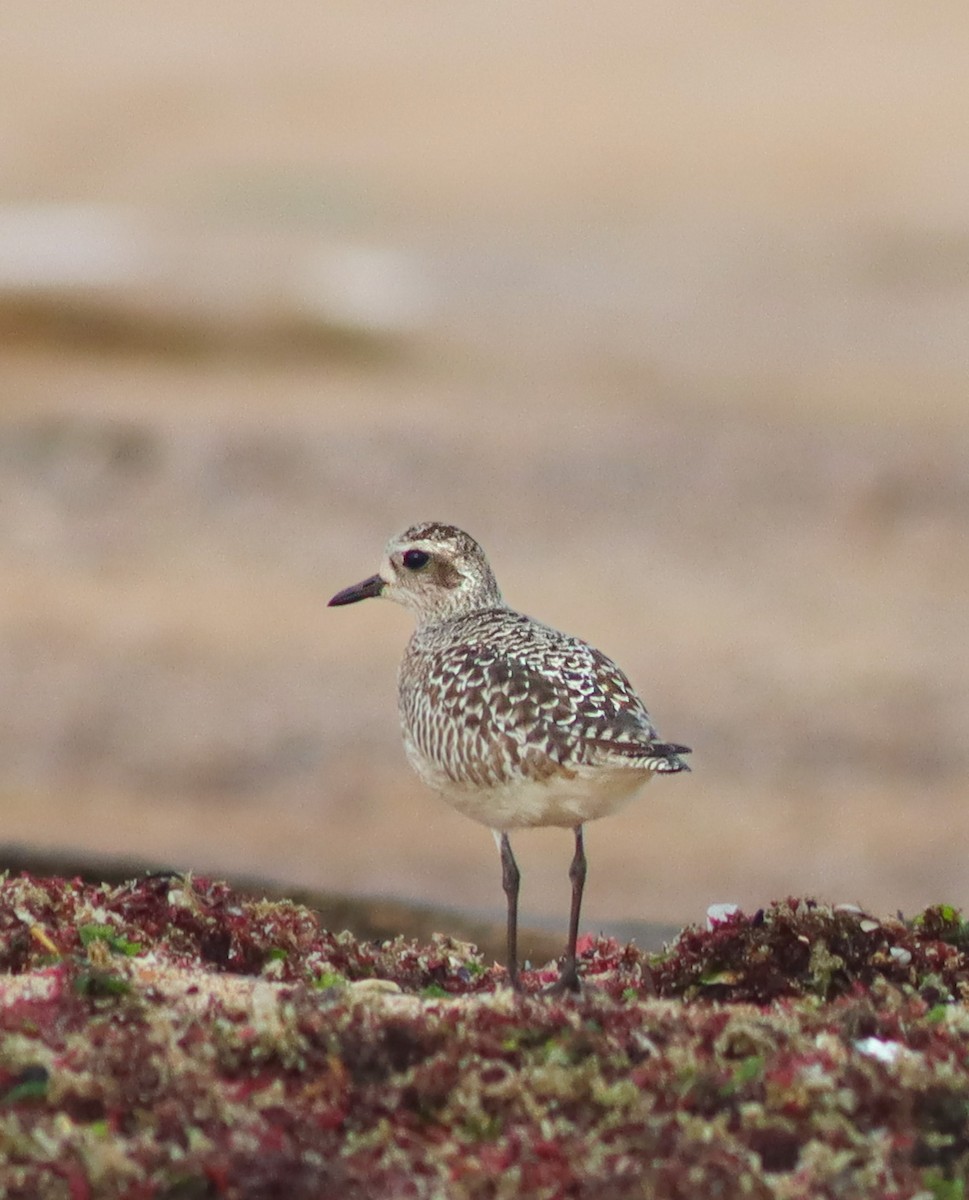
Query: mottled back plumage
(493, 696)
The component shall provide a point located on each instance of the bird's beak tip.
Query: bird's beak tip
(359, 591)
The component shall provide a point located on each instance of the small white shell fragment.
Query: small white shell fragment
(884, 1051)
(718, 913)
(375, 985)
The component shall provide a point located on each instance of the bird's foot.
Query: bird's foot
(568, 982)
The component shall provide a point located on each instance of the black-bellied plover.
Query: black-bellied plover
(515, 724)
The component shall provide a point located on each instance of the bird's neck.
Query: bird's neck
(429, 623)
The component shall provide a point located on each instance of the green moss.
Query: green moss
(101, 985)
(942, 1188)
(434, 991)
(31, 1084)
(110, 936)
(329, 979)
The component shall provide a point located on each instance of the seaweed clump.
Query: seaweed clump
(188, 921)
(164, 1049)
(803, 948)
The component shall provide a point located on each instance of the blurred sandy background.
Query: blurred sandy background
(667, 304)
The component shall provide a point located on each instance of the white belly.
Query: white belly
(524, 803)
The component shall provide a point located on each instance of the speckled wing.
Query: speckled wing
(512, 699)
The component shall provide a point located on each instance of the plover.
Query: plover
(515, 724)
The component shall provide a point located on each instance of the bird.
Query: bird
(515, 724)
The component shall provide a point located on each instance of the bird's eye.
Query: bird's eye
(415, 559)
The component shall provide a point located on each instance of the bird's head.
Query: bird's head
(434, 570)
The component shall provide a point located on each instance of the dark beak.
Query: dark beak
(360, 591)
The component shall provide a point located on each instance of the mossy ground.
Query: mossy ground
(168, 1039)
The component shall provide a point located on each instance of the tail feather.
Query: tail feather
(669, 749)
(655, 756)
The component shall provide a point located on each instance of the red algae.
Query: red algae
(802, 948)
(168, 1040)
(202, 923)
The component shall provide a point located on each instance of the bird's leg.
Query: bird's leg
(510, 879)
(568, 980)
